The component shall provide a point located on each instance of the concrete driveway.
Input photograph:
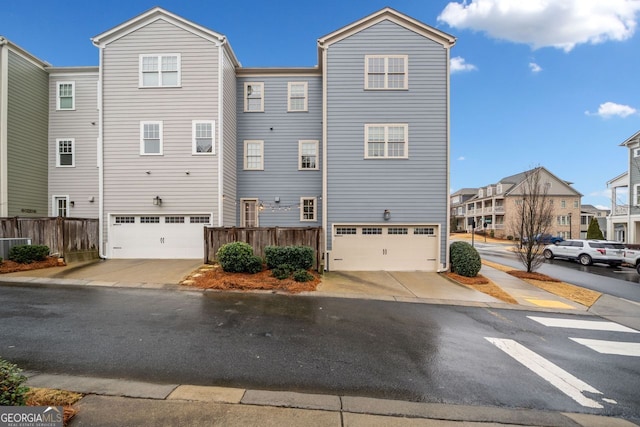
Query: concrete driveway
(164, 271)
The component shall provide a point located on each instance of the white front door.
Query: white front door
(249, 213)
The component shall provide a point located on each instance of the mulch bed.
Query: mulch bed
(532, 276)
(11, 267)
(214, 277)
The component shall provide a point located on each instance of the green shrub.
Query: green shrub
(302, 276)
(299, 257)
(254, 265)
(238, 257)
(509, 237)
(465, 259)
(12, 392)
(282, 272)
(594, 232)
(26, 254)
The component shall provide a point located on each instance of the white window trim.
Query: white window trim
(194, 146)
(73, 152)
(246, 97)
(499, 189)
(73, 96)
(54, 205)
(306, 97)
(315, 209)
(142, 153)
(386, 72)
(636, 193)
(253, 141)
(243, 221)
(141, 84)
(307, 141)
(386, 131)
(636, 152)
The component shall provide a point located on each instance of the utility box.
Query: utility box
(6, 243)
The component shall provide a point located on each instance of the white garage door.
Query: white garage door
(391, 248)
(157, 236)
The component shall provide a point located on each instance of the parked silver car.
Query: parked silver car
(586, 252)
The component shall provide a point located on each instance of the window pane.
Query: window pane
(308, 209)
(254, 104)
(297, 90)
(376, 134)
(150, 79)
(66, 90)
(66, 102)
(396, 65)
(376, 65)
(395, 81)
(203, 130)
(150, 63)
(169, 63)
(204, 145)
(396, 149)
(376, 149)
(297, 104)
(376, 81)
(152, 146)
(396, 134)
(152, 130)
(170, 78)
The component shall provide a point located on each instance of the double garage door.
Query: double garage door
(392, 248)
(157, 236)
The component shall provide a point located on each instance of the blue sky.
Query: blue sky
(534, 82)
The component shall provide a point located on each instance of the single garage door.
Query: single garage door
(157, 236)
(391, 248)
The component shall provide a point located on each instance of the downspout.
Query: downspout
(220, 132)
(445, 265)
(100, 153)
(325, 221)
(4, 104)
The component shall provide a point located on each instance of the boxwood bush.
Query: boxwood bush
(238, 257)
(302, 276)
(12, 390)
(465, 259)
(283, 271)
(26, 254)
(298, 257)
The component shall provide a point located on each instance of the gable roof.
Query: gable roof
(25, 54)
(519, 178)
(446, 40)
(635, 138)
(158, 13)
(465, 191)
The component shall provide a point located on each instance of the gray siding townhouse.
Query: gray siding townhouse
(170, 134)
(23, 132)
(623, 224)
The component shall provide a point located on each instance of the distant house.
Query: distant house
(494, 207)
(24, 101)
(170, 133)
(623, 224)
(458, 202)
(587, 213)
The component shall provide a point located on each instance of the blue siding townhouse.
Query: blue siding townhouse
(184, 136)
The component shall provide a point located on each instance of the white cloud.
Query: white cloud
(603, 207)
(458, 65)
(535, 68)
(562, 24)
(461, 158)
(610, 109)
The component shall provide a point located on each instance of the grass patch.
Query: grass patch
(484, 285)
(52, 397)
(574, 293)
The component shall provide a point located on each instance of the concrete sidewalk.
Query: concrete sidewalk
(128, 403)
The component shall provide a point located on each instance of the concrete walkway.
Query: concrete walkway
(129, 403)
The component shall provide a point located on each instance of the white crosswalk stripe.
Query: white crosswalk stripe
(558, 377)
(620, 348)
(611, 347)
(593, 325)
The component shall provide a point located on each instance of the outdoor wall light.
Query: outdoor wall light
(157, 201)
(277, 199)
(386, 215)
(72, 203)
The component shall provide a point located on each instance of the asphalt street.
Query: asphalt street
(416, 352)
(622, 282)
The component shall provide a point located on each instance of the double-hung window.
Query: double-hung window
(151, 138)
(386, 141)
(254, 97)
(308, 155)
(161, 70)
(65, 96)
(203, 137)
(298, 96)
(386, 72)
(65, 153)
(307, 209)
(253, 155)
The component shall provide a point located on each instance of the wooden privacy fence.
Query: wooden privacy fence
(75, 238)
(260, 237)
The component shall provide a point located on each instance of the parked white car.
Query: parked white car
(586, 252)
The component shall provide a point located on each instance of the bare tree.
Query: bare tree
(534, 216)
